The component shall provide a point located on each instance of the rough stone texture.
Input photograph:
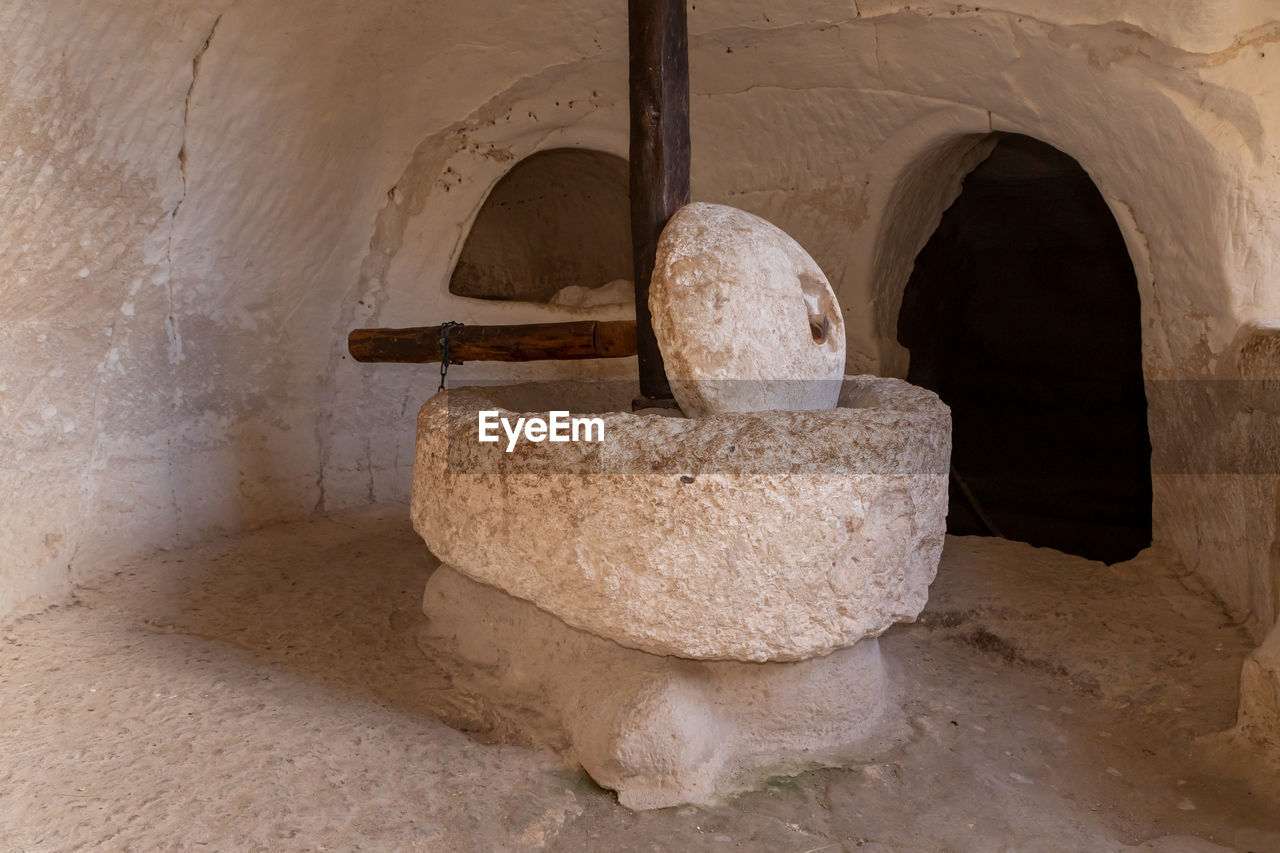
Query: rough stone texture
(267, 692)
(178, 284)
(660, 731)
(1259, 718)
(745, 319)
(617, 292)
(766, 536)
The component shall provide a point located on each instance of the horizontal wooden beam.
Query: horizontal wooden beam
(532, 342)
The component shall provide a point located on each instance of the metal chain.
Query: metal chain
(445, 358)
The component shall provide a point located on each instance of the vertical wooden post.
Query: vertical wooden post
(659, 49)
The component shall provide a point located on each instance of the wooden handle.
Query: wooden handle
(531, 342)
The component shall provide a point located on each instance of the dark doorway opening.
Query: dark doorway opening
(1022, 313)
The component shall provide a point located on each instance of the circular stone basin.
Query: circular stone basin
(758, 536)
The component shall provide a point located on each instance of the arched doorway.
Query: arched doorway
(1022, 313)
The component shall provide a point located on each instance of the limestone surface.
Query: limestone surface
(258, 694)
(745, 319)
(1259, 717)
(171, 169)
(660, 731)
(617, 292)
(753, 537)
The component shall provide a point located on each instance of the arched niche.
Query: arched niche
(559, 218)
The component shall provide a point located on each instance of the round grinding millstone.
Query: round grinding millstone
(745, 319)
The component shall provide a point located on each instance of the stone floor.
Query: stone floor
(267, 693)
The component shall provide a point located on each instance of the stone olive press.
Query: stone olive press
(692, 603)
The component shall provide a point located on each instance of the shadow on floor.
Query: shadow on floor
(1048, 697)
(336, 599)
(339, 600)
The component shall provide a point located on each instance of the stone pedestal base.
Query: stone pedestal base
(660, 731)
